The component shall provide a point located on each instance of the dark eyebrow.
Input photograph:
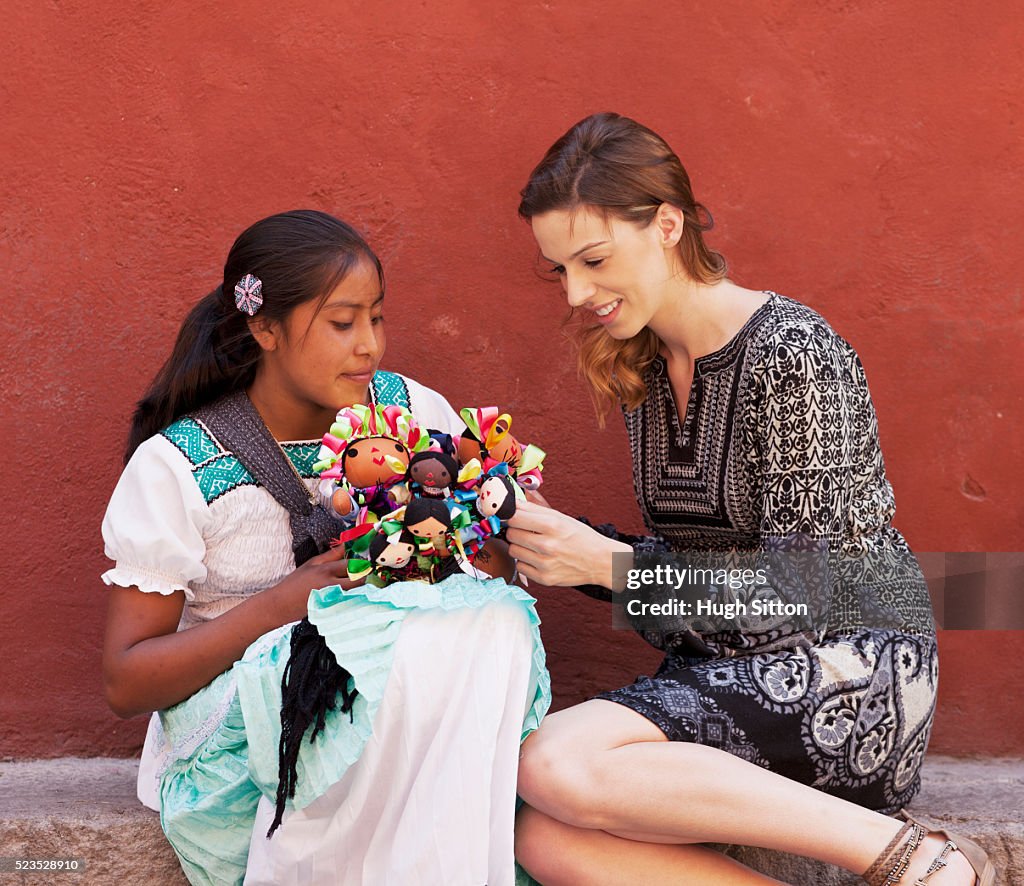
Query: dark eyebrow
(577, 252)
(345, 304)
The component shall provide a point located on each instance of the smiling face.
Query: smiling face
(365, 462)
(618, 271)
(322, 357)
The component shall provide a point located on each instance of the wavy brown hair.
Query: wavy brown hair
(616, 166)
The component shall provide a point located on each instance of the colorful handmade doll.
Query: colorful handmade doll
(432, 473)
(414, 504)
(364, 460)
(385, 552)
(393, 551)
(487, 438)
(496, 495)
(430, 520)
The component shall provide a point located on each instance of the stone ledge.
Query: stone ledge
(86, 808)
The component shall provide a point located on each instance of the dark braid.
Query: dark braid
(309, 689)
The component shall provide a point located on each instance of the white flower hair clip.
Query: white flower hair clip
(249, 294)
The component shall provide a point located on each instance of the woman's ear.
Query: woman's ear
(265, 331)
(670, 223)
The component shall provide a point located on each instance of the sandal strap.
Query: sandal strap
(917, 835)
(874, 874)
(938, 863)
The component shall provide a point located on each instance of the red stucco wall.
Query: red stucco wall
(863, 157)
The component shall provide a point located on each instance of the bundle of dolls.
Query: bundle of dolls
(422, 505)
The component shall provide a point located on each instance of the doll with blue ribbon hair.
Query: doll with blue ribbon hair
(497, 494)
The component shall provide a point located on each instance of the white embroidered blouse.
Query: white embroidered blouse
(186, 516)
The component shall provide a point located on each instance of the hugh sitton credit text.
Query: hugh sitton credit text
(713, 608)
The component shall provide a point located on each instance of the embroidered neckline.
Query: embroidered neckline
(730, 350)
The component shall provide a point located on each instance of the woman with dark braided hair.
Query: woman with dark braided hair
(375, 738)
(754, 440)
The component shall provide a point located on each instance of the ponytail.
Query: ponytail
(214, 355)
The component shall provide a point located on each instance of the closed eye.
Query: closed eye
(594, 262)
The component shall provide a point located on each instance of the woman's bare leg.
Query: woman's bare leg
(555, 853)
(602, 766)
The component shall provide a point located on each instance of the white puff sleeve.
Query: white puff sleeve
(153, 527)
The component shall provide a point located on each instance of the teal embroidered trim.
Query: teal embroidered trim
(303, 456)
(217, 471)
(220, 475)
(389, 389)
(192, 440)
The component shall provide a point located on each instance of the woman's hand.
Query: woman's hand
(291, 594)
(556, 550)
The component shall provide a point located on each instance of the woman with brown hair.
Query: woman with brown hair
(752, 432)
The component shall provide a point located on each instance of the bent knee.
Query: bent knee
(566, 786)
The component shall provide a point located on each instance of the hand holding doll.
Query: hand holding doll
(559, 551)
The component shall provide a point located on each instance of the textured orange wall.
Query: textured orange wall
(863, 157)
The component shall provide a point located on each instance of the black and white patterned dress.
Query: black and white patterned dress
(779, 447)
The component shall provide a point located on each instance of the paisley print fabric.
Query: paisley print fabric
(776, 448)
(850, 715)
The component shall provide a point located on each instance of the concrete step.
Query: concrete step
(87, 809)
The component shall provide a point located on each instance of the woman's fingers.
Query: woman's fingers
(338, 567)
(523, 538)
(536, 518)
(518, 548)
(524, 568)
(330, 555)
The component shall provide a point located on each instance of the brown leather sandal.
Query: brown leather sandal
(977, 858)
(892, 862)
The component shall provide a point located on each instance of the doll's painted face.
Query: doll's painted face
(427, 518)
(429, 527)
(373, 460)
(395, 555)
(506, 449)
(433, 471)
(496, 498)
